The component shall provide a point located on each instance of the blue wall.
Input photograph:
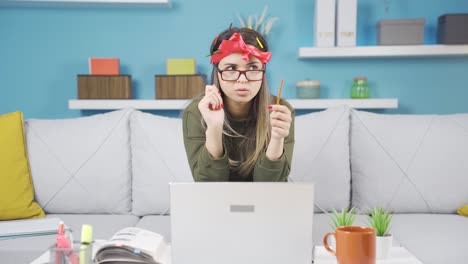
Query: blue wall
(43, 49)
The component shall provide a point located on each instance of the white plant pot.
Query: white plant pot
(382, 246)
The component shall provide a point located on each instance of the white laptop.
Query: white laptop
(241, 223)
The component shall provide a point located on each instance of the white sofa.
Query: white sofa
(112, 171)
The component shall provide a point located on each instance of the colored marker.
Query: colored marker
(86, 240)
(62, 245)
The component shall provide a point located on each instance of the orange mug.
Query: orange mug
(354, 245)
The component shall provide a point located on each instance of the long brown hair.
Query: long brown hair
(257, 135)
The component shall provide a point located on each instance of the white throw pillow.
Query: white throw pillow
(158, 157)
(409, 163)
(81, 165)
(321, 156)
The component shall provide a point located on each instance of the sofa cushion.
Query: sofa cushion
(160, 224)
(158, 157)
(81, 165)
(433, 238)
(321, 155)
(16, 187)
(409, 163)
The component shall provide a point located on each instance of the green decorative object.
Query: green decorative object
(360, 89)
(262, 24)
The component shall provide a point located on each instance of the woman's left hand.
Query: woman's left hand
(280, 121)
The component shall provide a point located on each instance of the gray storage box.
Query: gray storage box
(451, 29)
(400, 31)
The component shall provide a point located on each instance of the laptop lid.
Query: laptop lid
(232, 223)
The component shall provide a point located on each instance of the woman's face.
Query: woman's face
(242, 90)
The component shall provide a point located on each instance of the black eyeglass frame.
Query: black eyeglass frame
(242, 72)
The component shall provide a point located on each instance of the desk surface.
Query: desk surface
(398, 255)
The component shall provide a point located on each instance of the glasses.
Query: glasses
(233, 75)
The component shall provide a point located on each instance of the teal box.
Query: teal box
(308, 89)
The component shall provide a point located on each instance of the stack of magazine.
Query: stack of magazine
(134, 245)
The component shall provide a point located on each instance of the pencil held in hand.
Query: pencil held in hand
(279, 93)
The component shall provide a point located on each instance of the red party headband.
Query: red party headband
(236, 44)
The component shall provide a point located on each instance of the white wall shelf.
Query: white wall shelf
(112, 104)
(176, 104)
(384, 51)
(371, 103)
(85, 3)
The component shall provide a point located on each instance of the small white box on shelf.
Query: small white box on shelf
(346, 20)
(325, 23)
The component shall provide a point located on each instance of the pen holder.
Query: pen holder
(76, 254)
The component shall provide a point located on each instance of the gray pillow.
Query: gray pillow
(321, 156)
(409, 163)
(158, 158)
(81, 165)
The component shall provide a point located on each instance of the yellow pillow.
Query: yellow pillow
(16, 188)
(463, 210)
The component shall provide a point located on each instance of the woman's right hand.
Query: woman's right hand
(212, 108)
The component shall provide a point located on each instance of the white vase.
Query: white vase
(382, 246)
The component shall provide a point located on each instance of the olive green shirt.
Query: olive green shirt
(205, 168)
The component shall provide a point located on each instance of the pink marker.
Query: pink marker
(63, 243)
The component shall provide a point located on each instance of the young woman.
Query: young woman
(235, 131)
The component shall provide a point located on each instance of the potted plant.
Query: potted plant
(344, 218)
(379, 219)
(262, 24)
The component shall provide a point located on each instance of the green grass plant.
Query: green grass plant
(379, 219)
(345, 218)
